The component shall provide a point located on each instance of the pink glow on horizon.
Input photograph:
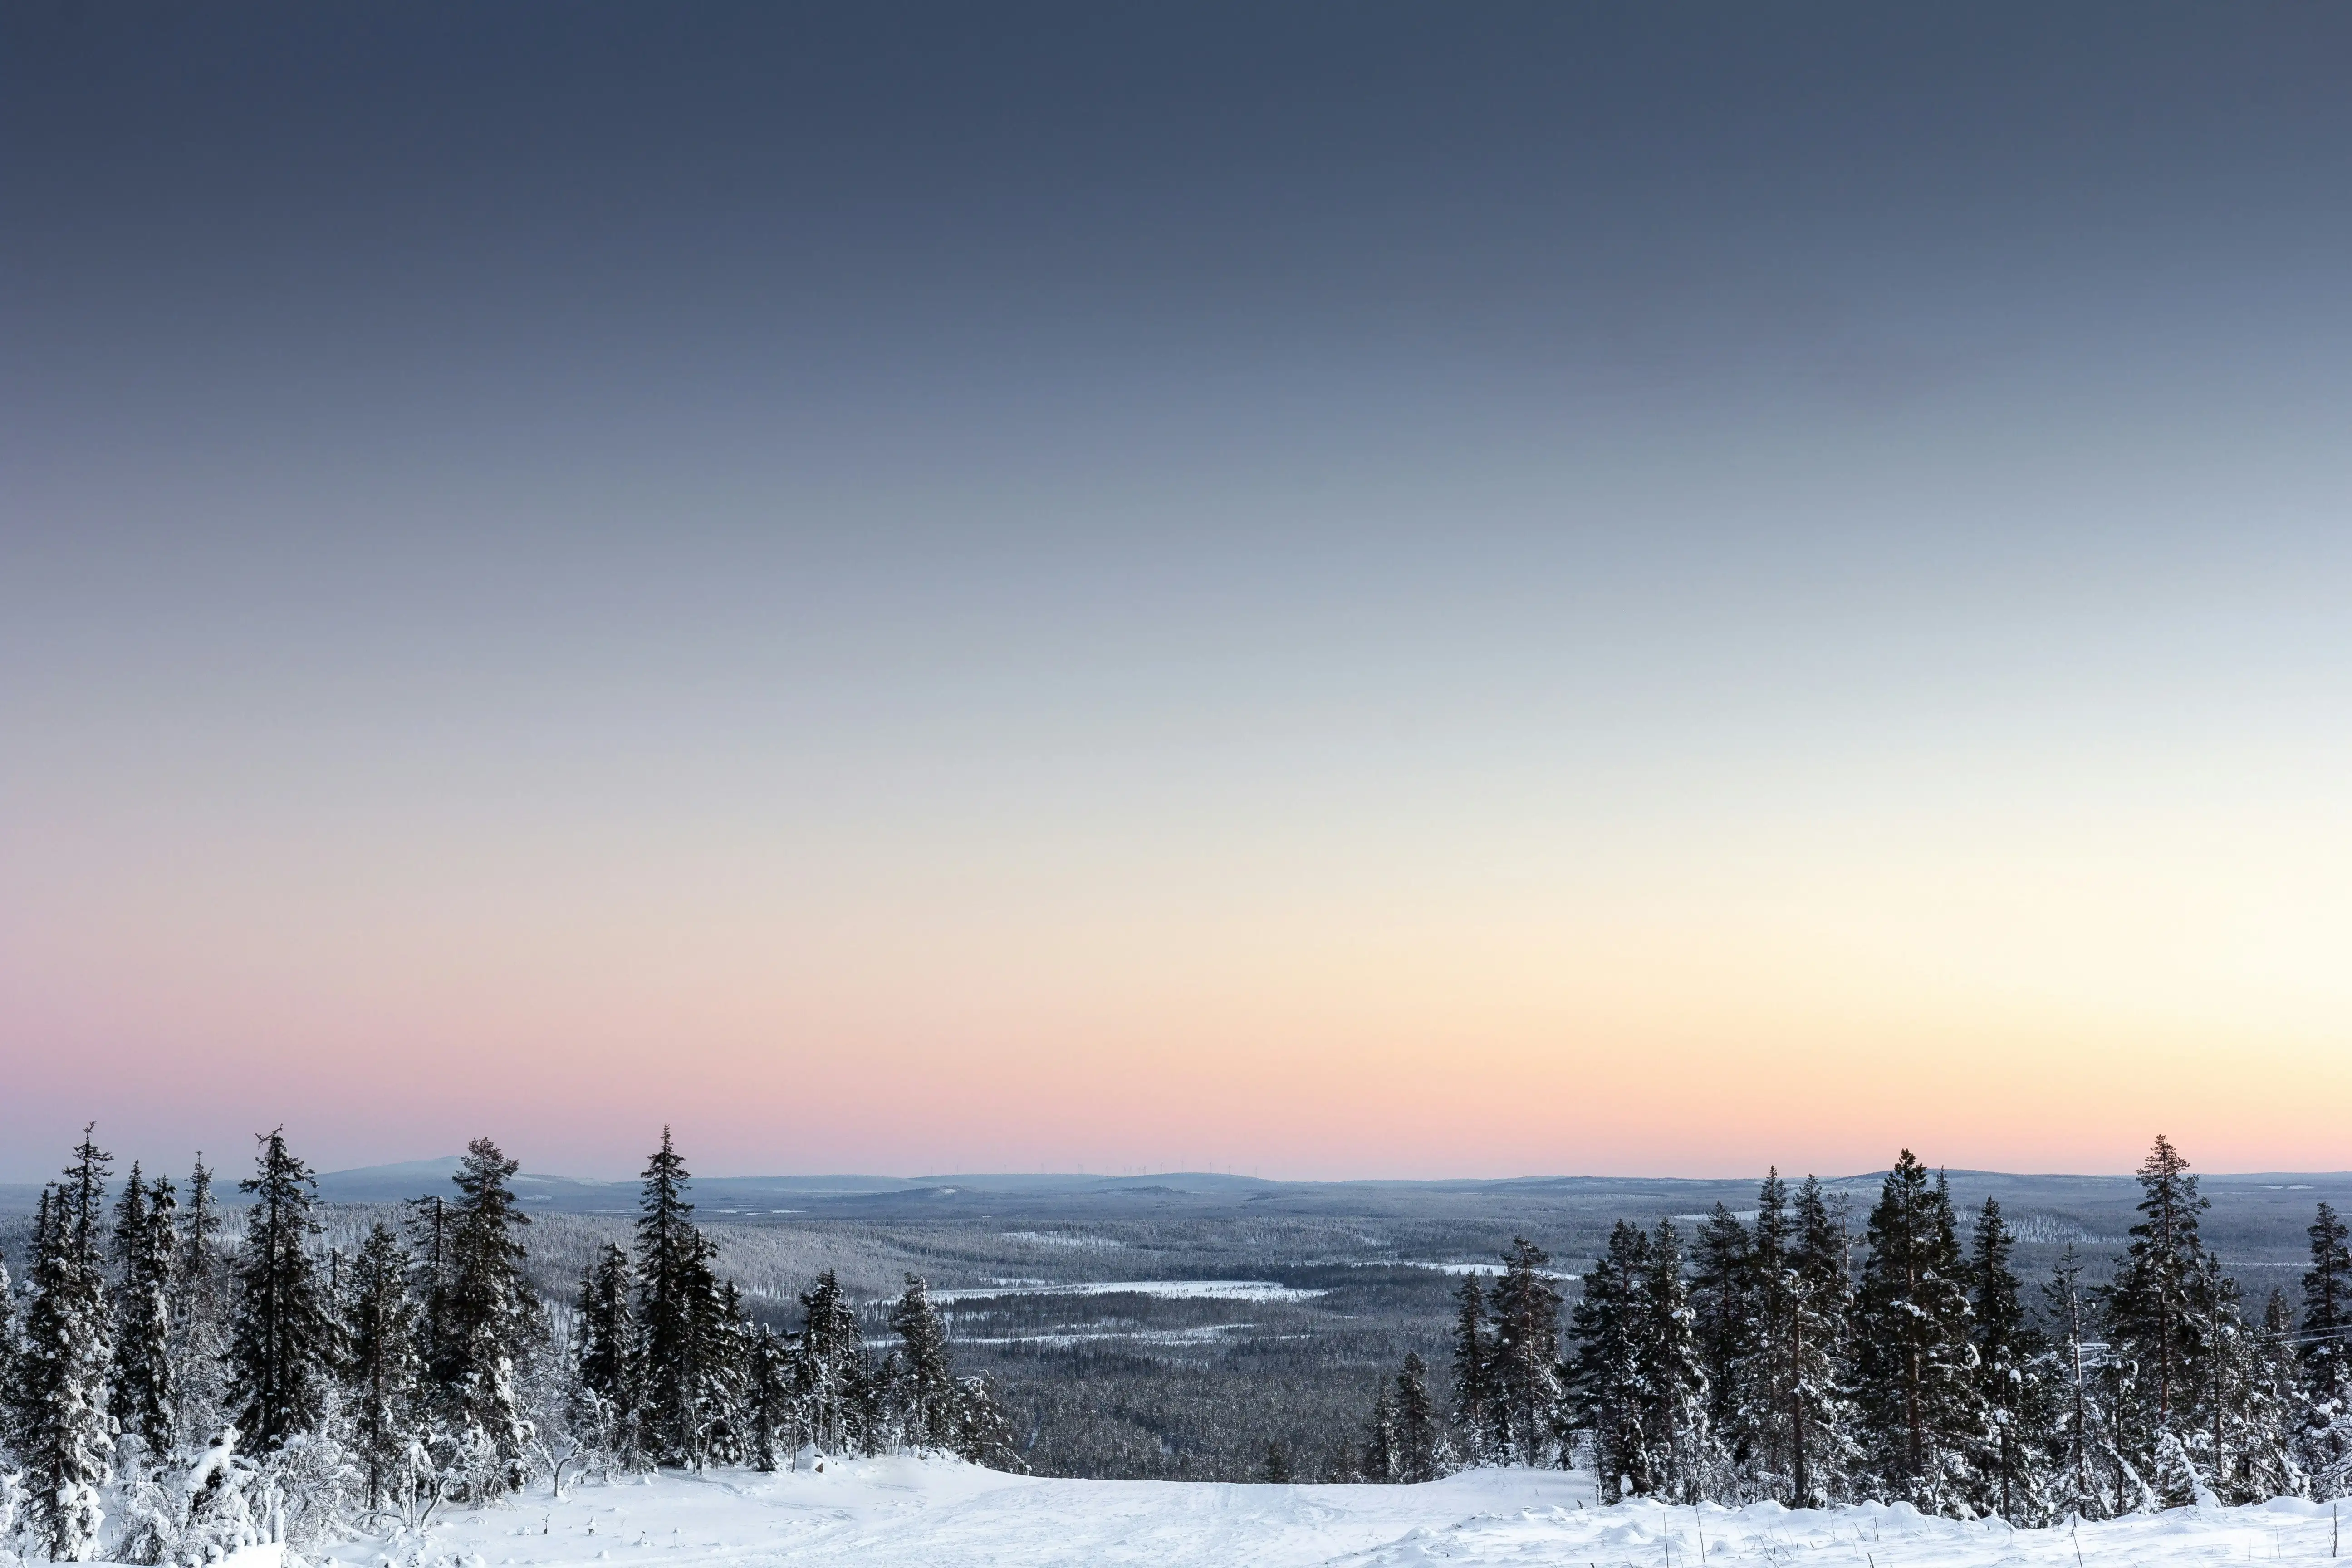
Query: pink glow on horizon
(1314, 1064)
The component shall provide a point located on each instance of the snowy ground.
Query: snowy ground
(885, 1513)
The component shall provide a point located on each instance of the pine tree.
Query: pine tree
(2245, 1438)
(2093, 1479)
(145, 1248)
(1526, 1355)
(385, 1372)
(1418, 1446)
(1914, 1366)
(2325, 1423)
(200, 1316)
(62, 1436)
(1473, 1372)
(279, 1342)
(2220, 1339)
(922, 1387)
(2012, 1360)
(490, 1324)
(1606, 1375)
(2154, 1369)
(429, 1243)
(604, 1345)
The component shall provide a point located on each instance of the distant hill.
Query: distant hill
(2091, 1206)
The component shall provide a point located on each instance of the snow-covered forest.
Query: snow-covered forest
(1791, 1359)
(187, 1377)
(177, 1391)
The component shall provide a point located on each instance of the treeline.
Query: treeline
(1786, 1359)
(173, 1392)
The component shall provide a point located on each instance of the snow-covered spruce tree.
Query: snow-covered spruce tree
(1473, 1374)
(605, 1359)
(83, 1193)
(200, 1317)
(2178, 1481)
(62, 1435)
(1723, 1275)
(383, 1373)
(829, 1368)
(1784, 1423)
(674, 1314)
(1419, 1448)
(1684, 1461)
(2325, 1341)
(1915, 1369)
(1380, 1466)
(1823, 1421)
(279, 1340)
(145, 1251)
(2155, 1372)
(2014, 1374)
(983, 1435)
(1527, 1394)
(922, 1388)
(491, 1326)
(1761, 1403)
(1605, 1377)
(727, 1377)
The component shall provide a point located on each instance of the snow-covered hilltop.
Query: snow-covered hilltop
(920, 1513)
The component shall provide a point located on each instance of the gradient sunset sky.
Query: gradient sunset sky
(1317, 589)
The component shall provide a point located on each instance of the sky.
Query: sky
(1324, 590)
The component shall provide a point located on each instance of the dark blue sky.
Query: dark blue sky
(526, 226)
(891, 500)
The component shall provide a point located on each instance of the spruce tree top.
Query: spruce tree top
(280, 1184)
(85, 1196)
(661, 1202)
(1772, 1225)
(2169, 1201)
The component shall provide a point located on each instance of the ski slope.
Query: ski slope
(911, 1513)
